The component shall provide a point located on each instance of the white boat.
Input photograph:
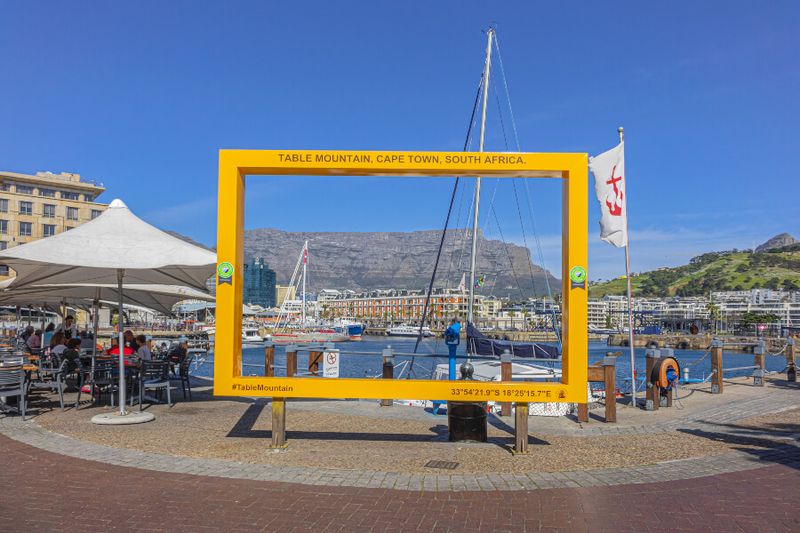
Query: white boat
(251, 336)
(404, 330)
(311, 336)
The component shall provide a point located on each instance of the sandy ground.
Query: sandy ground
(359, 435)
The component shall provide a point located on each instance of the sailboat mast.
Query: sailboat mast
(476, 208)
(305, 264)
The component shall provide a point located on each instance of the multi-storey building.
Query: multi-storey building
(259, 283)
(42, 205)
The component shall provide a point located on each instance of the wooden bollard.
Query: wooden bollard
(791, 362)
(269, 360)
(314, 359)
(758, 360)
(388, 372)
(594, 373)
(610, 382)
(291, 361)
(278, 423)
(653, 394)
(505, 376)
(666, 398)
(716, 366)
(521, 429)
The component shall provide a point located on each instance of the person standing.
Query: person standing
(68, 327)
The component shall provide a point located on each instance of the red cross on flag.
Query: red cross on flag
(609, 186)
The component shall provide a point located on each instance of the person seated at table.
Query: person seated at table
(143, 352)
(130, 340)
(72, 354)
(57, 345)
(48, 334)
(34, 341)
(114, 350)
(27, 332)
(178, 353)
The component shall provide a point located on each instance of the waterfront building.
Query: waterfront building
(34, 206)
(283, 293)
(259, 283)
(733, 305)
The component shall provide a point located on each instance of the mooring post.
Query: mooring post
(716, 366)
(758, 360)
(521, 429)
(667, 396)
(610, 381)
(269, 359)
(314, 357)
(388, 372)
(505, 375)
(291, 361)
(278, 424)
(791, 354)
(653, 394)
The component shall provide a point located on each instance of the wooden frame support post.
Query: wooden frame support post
(505, 375)
(758, 360)
(716, 366)
(521, 429)
(278, 424)
(291, 361)
(653, 394)
(388, 372)
(791, 362)
(269, 360)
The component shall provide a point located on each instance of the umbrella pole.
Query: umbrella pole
(95, 322)
(121, 346)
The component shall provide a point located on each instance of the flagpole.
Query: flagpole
(621, 132)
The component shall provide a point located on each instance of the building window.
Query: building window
(25, 229)
(24, 189)
(49, 193)
(3, 270)
(3, 205)
(4, 227)
(49, 230)
(88, 198)
(72, 213)
(95, 213)
(4, 187)
(49, 211)
(66, 195)
(25, 208)
(3, 245)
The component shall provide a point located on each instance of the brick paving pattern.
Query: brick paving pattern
(45, 491)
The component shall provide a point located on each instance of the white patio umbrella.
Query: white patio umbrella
(115, 246)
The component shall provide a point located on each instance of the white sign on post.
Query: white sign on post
(330, 364)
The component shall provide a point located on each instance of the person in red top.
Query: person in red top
(114, 350)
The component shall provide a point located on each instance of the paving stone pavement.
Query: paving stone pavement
(47, 491)
(714, 423)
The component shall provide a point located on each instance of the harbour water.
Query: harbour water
(355, 365)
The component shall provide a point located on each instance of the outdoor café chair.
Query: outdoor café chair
(154, 375)
(12, 384)
(183, 369)
(103, 380)
(54, 381)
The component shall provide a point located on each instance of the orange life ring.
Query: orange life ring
(659, 374)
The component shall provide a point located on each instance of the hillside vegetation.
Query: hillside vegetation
(715, 271)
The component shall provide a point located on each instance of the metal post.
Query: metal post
(278, 424)
(121, 345)
(758, 360)
(388, 372)
(791, 367)
(631, 344)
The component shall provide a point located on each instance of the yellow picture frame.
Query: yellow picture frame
(236, 165)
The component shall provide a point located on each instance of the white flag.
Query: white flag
(462, 286)
(609, 185)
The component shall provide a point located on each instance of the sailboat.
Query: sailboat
(303, 333)
(479, 344)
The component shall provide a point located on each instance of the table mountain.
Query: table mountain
(380, 260)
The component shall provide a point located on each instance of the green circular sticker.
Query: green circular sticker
(225, 270)
(577, 274)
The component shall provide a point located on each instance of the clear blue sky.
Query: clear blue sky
(141, 95)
